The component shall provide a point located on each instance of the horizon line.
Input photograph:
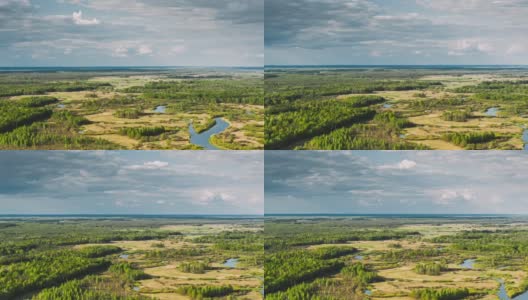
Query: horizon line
(138, 66)
(393, 214)
(125, 214)
(371, 65)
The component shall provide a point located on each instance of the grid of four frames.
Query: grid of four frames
(182, 159)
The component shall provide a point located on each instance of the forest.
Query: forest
(395, 257)
(118, 109)
(346, 108)
(104, 258)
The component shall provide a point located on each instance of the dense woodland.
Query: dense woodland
(298, 266)
(301, 108)
(312, 110)
(36, 109)
(49, 258)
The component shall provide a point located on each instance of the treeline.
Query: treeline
(292, 87)
(140, 132)
(353, 101)
(467, 139)
(288, 268)
(360, 273)
(201, 292)
(50, 136)
(45, 270)
(277, 242)
(246, 91)
(13, 115)
(392, 120)
(440, 294)
(69, 119)
(318, 117)
(437, 103)
(39, 88)
(411, 254)
(321, 289)
(24, 247)
(92, 288)
(362, 137)
(355, 279)
(233, 241)
(333, 252)
(456, 116)
(322, 121)
(503, 91)
(37, 101)
(430, 268)
(128, 113)
(195, 267)
(510, 243)
(117, 101)
(127, 272)
(175, 253)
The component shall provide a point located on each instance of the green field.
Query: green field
(130, 109)
(374, 108)
(62, 258)
(395, 257)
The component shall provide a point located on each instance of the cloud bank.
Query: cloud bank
(131, 32)
(138, 182)
(425, 182)
(396, 32)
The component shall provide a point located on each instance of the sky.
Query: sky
(131, 182)
(396, 182)
(131, 33)
(315, 32)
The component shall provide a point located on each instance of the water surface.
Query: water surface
(468, 263)
(387, 105)
(231, 263)
(492, 111)
(202, 139)
(504, 296)
(359, 257)
(160, 109)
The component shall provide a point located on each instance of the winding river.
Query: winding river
(202, 139)
(504, 296)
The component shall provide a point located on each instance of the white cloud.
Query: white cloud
(150, 165)
(469, 46)
(120, 52)
(178, 49)
(77, 18)
(144, 50)
(402, 165)
(370, 202)
(452, 196)
(208, 197)
(516, 49)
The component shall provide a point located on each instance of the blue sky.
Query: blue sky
(136, 182)
(463, 182)
(131, 32)
(396, 32)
